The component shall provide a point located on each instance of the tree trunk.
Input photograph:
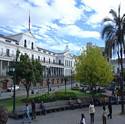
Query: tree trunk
(27, 92)
(121, 84)
(27, 86)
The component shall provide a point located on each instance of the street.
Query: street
(22, 91)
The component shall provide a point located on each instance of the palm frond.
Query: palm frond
(106, 30)
(107, 20)
(114, 14)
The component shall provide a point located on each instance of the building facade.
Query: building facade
(56, 66)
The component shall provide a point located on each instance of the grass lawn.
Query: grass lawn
(8, 103)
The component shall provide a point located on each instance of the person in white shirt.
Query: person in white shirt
(27, 117)
(104, 115)
(91, 112)
(82, 121)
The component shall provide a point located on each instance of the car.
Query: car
(9, 89)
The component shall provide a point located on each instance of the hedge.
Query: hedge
(51, 97)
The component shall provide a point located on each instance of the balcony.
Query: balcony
(55, 63)
(7, 57)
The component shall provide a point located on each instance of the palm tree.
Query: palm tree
(113, 32)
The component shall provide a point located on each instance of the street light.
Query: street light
(65, 80)
(71, 79)
(13, 74)
(47, 73)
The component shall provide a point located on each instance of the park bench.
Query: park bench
(19, 112)
(56, 106)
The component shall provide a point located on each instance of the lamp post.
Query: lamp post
(71, 78)
(14, 92)
(65, 81)
(12, 73)
(48, 83)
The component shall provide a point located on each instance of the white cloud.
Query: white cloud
(78, 32)
(14, 13)
(102, 8)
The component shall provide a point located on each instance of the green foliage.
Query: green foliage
(52, 97)
(92, 68)
(24, 68)
(28, 71)
(37, 71)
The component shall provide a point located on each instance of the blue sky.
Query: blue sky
(57, 23)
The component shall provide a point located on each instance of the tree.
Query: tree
(92, 68)
(28, 71)
(113, 32)
(37, 72)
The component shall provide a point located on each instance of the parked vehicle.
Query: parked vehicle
(9, 89)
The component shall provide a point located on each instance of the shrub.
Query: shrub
(51, 97)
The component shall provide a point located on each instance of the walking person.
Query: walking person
(33, 109)
(110, 110)
(104, 115)
(27, 117)
(82, 121)
(92, 112)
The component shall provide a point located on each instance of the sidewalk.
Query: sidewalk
(6, 95)
(73, 117)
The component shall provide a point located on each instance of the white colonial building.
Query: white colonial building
(59, 65)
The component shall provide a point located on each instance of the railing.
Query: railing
(10, 56)
(56, 63)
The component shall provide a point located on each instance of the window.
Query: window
(32, 46)
(1, 53)
(49, 60)
(53, 61)
(71, 63)
(25, 43)
(44, 59)
(32, 57)
(7, 52)
(59, 61)
(9, 41)
(38, 58)
(17, 43)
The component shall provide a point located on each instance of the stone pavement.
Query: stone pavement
(73, 117)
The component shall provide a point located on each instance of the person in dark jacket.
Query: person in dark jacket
(33, 110)
(110, 110)
(43, 109)
(82, 121)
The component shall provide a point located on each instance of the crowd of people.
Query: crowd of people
(106, 112)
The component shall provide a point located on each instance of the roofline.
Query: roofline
(22, 33)
(8, 38)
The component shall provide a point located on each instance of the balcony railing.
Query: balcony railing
(5, 55)
(56, 63)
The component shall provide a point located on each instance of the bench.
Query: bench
(56, 106)
(53, 106)
(20, 111)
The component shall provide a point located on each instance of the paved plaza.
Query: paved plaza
(73, 117)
